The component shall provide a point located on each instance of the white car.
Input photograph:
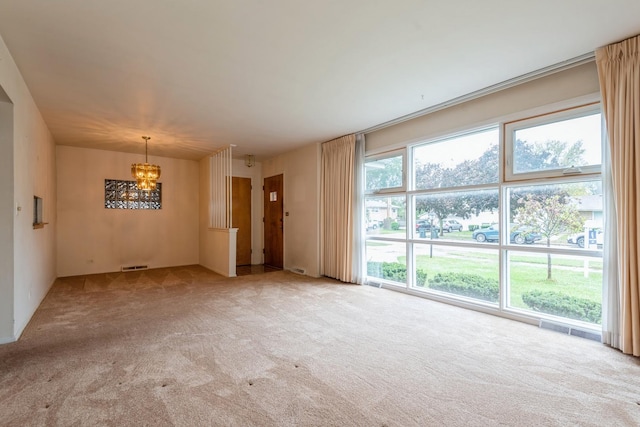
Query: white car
(372, 225)
(578, 238)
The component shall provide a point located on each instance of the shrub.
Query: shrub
(395, 226)
(562, 305)
(470, 285)
(473, 227)
(394, 271)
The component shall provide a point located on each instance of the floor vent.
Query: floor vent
(570, 330)
(374, 284)
(135, 267)
(299, 270)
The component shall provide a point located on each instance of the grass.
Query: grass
(371, 243)
(526, 273)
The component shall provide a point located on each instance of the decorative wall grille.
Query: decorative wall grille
(126, 195)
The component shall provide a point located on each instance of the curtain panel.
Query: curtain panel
(619, 74)
(337, 214)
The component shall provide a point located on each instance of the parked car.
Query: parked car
(451, 224)
(578, 238)
(518, 235)
(372, 224)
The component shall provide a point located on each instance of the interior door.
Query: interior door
(241, 205)
(273, 221)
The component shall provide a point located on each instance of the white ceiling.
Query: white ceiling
(269, 76)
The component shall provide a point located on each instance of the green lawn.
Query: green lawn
(527, 273)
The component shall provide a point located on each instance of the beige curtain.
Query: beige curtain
(619, 74)
(337, 214)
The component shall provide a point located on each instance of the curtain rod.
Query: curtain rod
(561, 66)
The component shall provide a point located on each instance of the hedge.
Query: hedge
(394, 271)
(562, 305)
(470, 285)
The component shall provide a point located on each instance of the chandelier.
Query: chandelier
(145, 174)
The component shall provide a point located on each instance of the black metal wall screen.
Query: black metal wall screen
(126, 195)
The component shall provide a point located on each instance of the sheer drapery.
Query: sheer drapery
(611, 287)
(358, 213)
(338, 218)
(619, 74)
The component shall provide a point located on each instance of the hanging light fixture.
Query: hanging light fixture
(249, 160)
(145, 174)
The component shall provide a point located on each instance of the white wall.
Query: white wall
(563, 85)
(30, 159)
(92, 239)
(301, 171)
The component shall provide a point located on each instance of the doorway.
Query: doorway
(241, 219)
(273, 221)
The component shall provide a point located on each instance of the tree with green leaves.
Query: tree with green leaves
(548, 216)
(529, 157)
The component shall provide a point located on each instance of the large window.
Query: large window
(507, 217)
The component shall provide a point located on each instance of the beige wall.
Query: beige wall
(561, 86)
(92, 239)
(301, 171)
(28, 169)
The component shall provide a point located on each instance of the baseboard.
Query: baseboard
(7, 340)
(19, 329)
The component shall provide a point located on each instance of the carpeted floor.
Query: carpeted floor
(184, 346)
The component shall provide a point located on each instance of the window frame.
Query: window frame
(509, 129)
(382, 156)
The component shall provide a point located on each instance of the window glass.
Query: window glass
(567, 215)
(454, 215)
(384, 173)
(467, 272)
(387, 260)
(556, 144)
(560, 285)
(463, 160)
(386, 216)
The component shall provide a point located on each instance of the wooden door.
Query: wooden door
(273, 221)
(241, 205)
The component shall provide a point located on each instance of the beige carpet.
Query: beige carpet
(184, 346)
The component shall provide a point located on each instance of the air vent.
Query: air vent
(134, 267)
(298, 270)
(570, 330)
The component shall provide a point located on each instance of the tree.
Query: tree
(552, 154)
(548, 216)
(384, 173)
(484, 170)
(469, 172)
